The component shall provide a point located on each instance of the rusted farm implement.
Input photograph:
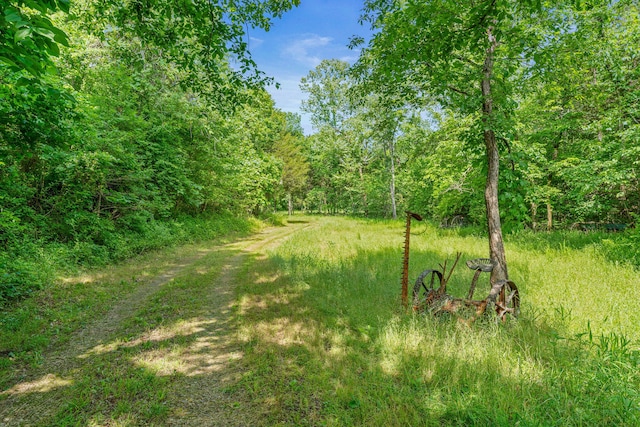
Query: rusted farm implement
(430, 289)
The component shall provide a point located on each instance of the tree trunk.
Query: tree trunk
(290, 203)
(392, 185)
(496, 244)
(554, 157)
(365, 203)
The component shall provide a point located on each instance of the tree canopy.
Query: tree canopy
(28, 38)
(157, 113)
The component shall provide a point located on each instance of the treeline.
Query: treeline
(404, 126)
(131, 141)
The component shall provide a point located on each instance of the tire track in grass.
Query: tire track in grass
(197, 397)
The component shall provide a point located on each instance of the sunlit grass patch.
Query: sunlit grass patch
(312, 332)
(341, 350)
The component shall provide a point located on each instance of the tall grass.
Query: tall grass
(31, 265)
(58, 304)
(326, 342)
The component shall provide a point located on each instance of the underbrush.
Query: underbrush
(31, 264)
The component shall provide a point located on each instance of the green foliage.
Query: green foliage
(33, 265)
(135, 133)
(327, 87)
(28, 38)
(113, 156)
(295, 167)
(196, 37)
(580, 124)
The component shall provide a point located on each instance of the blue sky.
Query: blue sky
(296, 43)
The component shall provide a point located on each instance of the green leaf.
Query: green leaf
(60, 36)
(52, 48)
(45, 32)
(8, 62)
(64, 5)
(22, 34)
(12, 16)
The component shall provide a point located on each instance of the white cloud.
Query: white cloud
(289, 97)
(306, 50)
(255, 42)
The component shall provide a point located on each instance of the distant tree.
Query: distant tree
(294, 124)
(327, 88)
(295, 168)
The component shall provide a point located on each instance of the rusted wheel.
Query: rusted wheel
(508, 301)
(423, 291)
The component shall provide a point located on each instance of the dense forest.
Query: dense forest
(123, 124)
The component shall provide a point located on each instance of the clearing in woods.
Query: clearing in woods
(302, 326)
(164, 352)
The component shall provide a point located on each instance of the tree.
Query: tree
(580, 125)
(294, 124)
(327, 87)
(200, 37)
(295, 168)
(385, 116)
(332, 111)
(459, 55)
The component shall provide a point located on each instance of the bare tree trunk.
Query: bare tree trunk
(365, 203)
(496, 243)
(392, 185)
(290, 203)
(554, 157)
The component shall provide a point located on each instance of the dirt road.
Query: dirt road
(194, 347)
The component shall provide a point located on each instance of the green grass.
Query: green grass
(326, 342)
(28, 265)
(112, 389)
(124, 384)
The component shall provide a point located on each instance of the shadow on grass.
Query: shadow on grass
(323, 341)
(327, 344)
(165, 361)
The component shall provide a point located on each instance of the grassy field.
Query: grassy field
(326, 342)
(310, 331)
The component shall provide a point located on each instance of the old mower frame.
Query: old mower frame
(503, 296)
